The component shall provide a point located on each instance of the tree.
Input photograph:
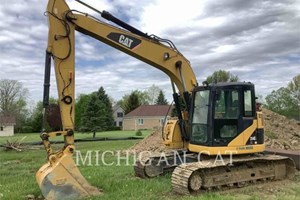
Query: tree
(112, 100)
(36, 120)
(80, 106)
(294, 88)
(91, 118)
(161, 100)
(13, 101)
(153, 92)
(132, 103)
(53, 117)
(142, 96)
(21, 113)
(95, 112)
(12, 96)
(222, 76)
(279, 101)
(286, 100)
(108, 112)
(37, 117)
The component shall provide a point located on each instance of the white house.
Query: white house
(118, 113)
(7, 124)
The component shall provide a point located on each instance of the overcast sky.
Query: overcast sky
(258, 40)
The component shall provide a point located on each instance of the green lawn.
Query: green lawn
(17, 176)
(35, 137)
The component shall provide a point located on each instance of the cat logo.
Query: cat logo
(125, 40)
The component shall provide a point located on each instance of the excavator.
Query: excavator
(214, 120)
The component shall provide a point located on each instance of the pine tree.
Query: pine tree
(103, 97)
(108, 112)
(161, 100)
(80, 105)
(96, 112)
(91, 118)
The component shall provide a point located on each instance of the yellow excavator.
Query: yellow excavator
(216, 120)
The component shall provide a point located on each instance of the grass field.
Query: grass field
(35, 137)
(17, 176)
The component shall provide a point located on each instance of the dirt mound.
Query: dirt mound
(280, 133)
(152, 142)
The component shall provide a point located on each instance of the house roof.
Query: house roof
(116, 107)
(7, 120)
(150, 110)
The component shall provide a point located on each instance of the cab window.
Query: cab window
(248, 110)
(227, 112)
(227, 104)
(200, 117)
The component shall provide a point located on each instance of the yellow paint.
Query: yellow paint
(242, 138)
(226, 150)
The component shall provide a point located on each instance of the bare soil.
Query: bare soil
(152, 143)
(281, 132)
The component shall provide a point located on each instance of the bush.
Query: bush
(138, 133)
(26, 129)
(116, 128)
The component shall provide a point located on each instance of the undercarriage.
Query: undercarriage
(193, 174)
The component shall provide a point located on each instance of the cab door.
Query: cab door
(233, 113)
(226, 117)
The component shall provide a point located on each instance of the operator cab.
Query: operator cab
(221, 112)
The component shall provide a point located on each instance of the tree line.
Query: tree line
(153, 96)
(286, 100)
(94, 111)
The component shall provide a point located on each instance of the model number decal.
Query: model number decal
(125, 40)
(244, 147)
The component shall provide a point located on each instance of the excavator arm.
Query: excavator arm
(60, 178)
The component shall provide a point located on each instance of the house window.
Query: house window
(119, 114)
(141, 121)
(1, 128)
(120, 124)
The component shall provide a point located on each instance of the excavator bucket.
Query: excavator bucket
(63, 180)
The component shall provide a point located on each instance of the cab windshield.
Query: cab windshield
(200, 117)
